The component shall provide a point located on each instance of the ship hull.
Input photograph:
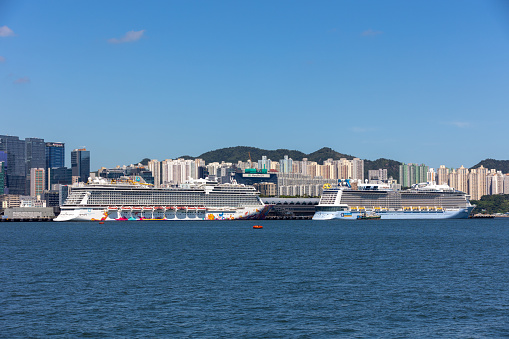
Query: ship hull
(104, 214)
(462, 213)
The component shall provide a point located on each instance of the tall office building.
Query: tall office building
(2, 174)
(35, 158)
(36, 181)
(80, 165)
(15, 178)
(58, 176)
(35, 153)
(55, 155)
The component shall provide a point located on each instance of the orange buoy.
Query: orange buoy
(257, 226)
(102, 222)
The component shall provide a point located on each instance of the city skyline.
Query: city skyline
(412, 82)
(68, 162)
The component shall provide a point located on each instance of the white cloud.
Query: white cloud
(6, 31)
(22, 80)
(130, 36)
(371, 32)
(2, 59)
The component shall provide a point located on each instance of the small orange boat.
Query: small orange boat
(101, 222)
(257, 226)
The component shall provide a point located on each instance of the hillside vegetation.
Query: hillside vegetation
(241, 153)
(492, 204)
(499, 165)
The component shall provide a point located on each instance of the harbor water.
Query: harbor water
(373, 278)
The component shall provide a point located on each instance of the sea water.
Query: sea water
(373, 278)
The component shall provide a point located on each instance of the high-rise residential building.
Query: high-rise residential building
(453, 179)
(442, 175)
(462, 174)
(379, 175)
(178, 171)
(344, 168)
(495, 183)
(410, 174)
(506, 184)
(264, 163)
(80, 165)
(286, 165)
(55, 155)
(358, 169)
(37, 181)
(154, 166)
(15, 178)
(431, 175)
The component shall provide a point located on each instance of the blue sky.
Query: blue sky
(414, 81)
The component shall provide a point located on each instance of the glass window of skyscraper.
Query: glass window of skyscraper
(35, 153)
(80, 164)
(15, 178)
(55, 154)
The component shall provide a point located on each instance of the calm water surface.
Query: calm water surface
(224, 279)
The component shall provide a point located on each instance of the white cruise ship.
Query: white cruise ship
(423, 201)
(125, 199)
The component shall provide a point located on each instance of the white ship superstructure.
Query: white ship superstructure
(125, 199)
(423, 201)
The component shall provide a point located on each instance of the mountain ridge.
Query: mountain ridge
(242, 153)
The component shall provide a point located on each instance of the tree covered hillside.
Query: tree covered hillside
(241, 153)
(499, 165)
(492, 204)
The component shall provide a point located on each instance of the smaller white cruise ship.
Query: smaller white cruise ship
(129, 199)
(422, 201)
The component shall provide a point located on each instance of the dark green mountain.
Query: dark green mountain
(144, 162)
(326, 153)
(499, 165)
(241, 153)
(392, 167)
(498, 203)
(234, 154)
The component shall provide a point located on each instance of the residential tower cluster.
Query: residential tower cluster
(33, 173)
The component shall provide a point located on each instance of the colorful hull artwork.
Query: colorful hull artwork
(91, 214)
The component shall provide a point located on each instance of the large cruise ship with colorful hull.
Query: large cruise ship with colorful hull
(125, 200)
(423, 201)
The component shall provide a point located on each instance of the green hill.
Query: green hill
(392, 167)
(490, 204)
(499, 165)
(326, 153)
(241, 153)
(234, 154)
